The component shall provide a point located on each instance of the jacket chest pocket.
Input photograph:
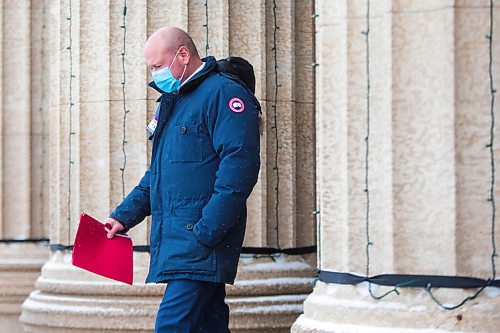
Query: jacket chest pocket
(187, 144)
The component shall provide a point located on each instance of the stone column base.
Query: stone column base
(20, 265)
(69, 299)
(268, 294)
(339, 308)
(267, 297)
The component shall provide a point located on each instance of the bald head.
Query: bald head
(172, 47)
(170, 39)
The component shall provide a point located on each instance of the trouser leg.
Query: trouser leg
(184, 304)
(190, 306)
(216, 319)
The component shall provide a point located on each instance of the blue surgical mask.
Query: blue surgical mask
(164, 79)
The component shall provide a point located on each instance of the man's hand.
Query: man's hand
(115, 226)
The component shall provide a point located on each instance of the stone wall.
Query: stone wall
(429, 167)
(24, 167)
(73, 140)
(99, 108)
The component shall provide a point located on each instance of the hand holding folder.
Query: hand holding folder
(96, 253)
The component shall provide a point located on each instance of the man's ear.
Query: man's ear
(184, 54)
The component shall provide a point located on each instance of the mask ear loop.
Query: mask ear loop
(184, 71)
(175, 57)
(185, 66)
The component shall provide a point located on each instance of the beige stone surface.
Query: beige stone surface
(132, 126)
(1, 115)
(410, 7)
(39, 134)
(380, 145)
(249, 43)
(331, 121)
(218, 27)
(267, 296)
(476, 4)
(16, 120)
(424, 97)
(427, 159)
(19, 268)
(429, 170)
(268, 293)
(65, 169)
(472, 121)
(411, 311)
(24, 165)
(305, 118)
(68, 298)
(161, 12)
(93, 122)
(341, 129)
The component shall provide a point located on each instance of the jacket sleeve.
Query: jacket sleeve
(136, 206)
(234, 129)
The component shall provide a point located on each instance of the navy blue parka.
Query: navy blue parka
(204, 165)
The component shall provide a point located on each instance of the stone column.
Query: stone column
(269, 290)
(429, 173)
(98, 149)
(23, 152)
(86, 169)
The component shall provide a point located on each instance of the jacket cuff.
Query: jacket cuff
(119, 218)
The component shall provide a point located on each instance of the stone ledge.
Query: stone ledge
(307, 325)
(20, 265)
(71, 299)
(348, 306)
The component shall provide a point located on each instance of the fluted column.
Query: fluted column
(92, 135)
(99, 152)
(428, 168)
(278, 42)
(23, 153)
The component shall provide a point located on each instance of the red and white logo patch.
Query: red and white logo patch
(236, 105)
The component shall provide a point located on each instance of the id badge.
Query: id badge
(152, 124)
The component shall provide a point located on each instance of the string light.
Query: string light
(491, 198)
(275, 124)
(369, 242)
(207, 46)
(41, 112)
(317, 212)
(71, 104)
(491, 145)
(125, 110)
(367, 140)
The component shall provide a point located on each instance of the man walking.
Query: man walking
(204, 165)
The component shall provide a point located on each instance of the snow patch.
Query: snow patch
(492, 292)
(268, 299)
(65, 308)
(331, 327)
(283, 262)
(102, 284)
(271, 308)
(277, 266)
(481, 306)
(348, 303)
(246, 260)
(63, 299)
(274, 281)
(418, 308)
(363, 288)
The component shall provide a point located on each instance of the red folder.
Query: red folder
(96, 253)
